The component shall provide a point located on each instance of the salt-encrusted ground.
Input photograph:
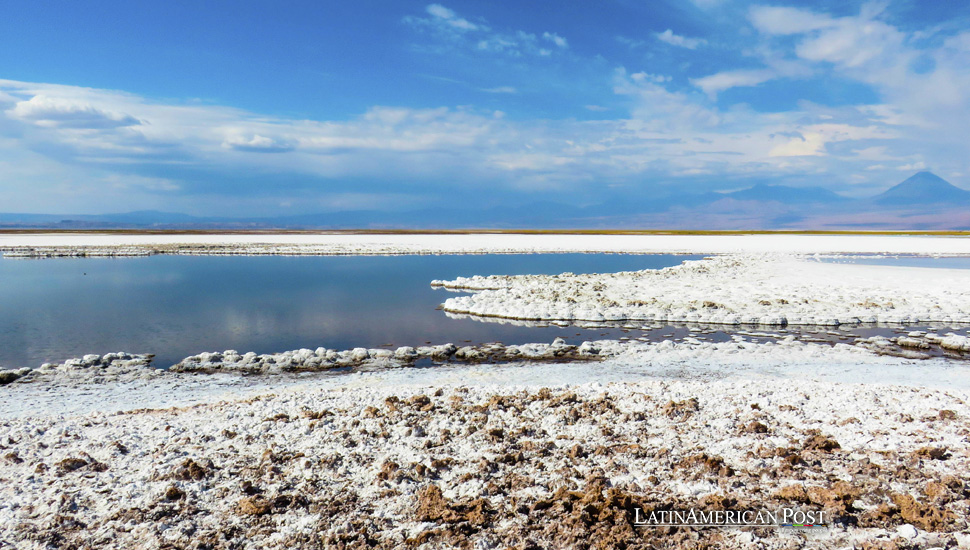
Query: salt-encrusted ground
(730, 289)
(483, 456)
(496, 467)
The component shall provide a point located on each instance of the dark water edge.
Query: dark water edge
(754, 333)
(177, 306)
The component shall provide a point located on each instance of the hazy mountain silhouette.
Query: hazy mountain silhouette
(785, 194)
(923, 188)
(923, 201)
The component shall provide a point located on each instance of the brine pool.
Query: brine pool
(177, 306)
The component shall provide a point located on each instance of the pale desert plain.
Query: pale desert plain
(542, 445)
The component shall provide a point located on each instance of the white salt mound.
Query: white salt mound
(730, 290)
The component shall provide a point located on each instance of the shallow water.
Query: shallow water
(946, 262)
(176, 306)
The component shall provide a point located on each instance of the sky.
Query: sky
(245, 108)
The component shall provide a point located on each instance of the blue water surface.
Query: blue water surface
(176, 306)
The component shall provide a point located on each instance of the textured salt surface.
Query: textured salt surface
(495, 467)
(733, 289)
(482, 455)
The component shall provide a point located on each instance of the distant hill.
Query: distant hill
(923, 188)
(140, 217)
(785, 194)
(153, 217)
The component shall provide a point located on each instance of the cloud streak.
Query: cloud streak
(446, 25)
(716, 83)
(445, 16)
(56, 112)
(669, 37)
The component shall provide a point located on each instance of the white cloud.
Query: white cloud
(811, 144)
(853, 42)
(59, 112)
(555, 39)
(669, 37)
(921, 83)
(515, 44)
(204, 135)
(449, 18)
(784, 20)
(501, 90)
(670, 132)
(716, 83)
(777, 64)
(660, 108)
(630, 42)
(256, 143)
(682, 134)
(647, 77)
(447, 25)
(912, 167)
(813, 139)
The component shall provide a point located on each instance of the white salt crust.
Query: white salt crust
(138, 455)
(768, 289)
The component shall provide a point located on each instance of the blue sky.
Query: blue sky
(267, 108)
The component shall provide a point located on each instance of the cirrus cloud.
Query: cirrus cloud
(446, 25)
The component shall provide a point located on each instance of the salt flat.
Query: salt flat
(339, 243)
(521, 454)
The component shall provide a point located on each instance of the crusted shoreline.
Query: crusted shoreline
(121, 366)
(122, 381)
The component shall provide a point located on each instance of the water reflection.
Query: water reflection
(176, 306)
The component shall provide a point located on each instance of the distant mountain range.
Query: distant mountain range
(922, 202)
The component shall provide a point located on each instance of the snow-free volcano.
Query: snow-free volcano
(923, 188)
